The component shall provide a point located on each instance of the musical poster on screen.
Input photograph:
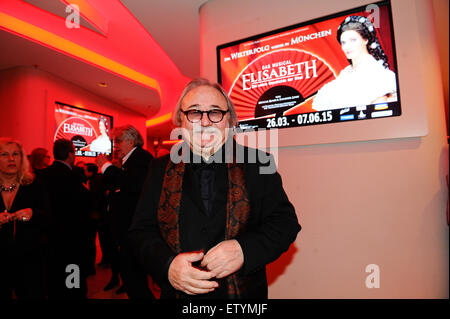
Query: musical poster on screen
(89, 131)
(333, 69)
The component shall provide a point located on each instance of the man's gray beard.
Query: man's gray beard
(206, 151)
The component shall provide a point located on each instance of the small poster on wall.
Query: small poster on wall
(89, 131)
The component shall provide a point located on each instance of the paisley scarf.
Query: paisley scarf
(238, 209)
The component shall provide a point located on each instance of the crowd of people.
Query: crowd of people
(51, 214)
(202, 227)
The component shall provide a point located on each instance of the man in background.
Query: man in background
(66, 226)
(125, 185)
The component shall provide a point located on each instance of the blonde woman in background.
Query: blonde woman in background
(21, 207)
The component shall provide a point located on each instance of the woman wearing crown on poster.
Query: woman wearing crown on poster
(102, 143)
(368, 79)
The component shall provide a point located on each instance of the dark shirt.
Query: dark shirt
(203, 226)
(206, 176)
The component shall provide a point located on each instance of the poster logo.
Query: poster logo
(278, 81)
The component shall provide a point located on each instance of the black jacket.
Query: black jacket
(68, 204)
(124, 186)
(28, 234)
(21, 254)
(271, 228)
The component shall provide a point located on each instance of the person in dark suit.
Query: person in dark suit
(97, 199)
(21, 216)
(67, 225)
(124, 185)
(213, 214)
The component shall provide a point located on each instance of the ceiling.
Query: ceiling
(164, 20)
(174, 24)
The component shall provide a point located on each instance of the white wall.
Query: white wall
(376, 202)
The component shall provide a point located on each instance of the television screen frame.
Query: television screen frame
(82, 127)
(404, 123)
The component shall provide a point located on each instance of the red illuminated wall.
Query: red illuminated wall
(27, 98)
(123, 47)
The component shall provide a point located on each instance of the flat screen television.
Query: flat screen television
(89, 131)
(333, 69)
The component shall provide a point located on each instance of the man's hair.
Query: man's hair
(37, 157)
(176, 117)
(61, 149)
(128, 132)
(91, 167)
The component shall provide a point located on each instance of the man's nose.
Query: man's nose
(205, 120)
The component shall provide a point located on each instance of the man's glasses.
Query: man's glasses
(195, 116)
